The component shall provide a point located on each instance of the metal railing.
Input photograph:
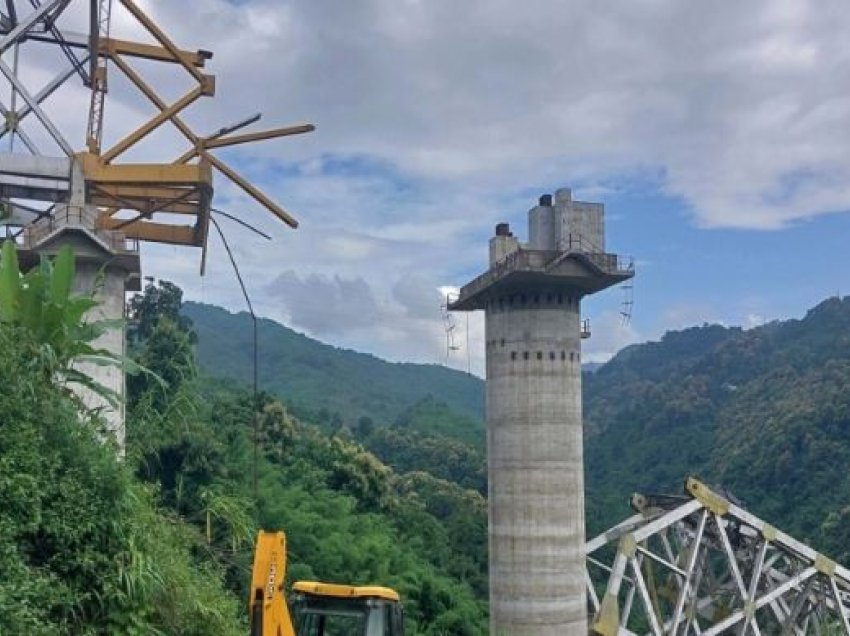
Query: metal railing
(76, 216)
(518, 260)
(607, 262)
(611, 263)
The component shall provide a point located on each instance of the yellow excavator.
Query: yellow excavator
(315, 609)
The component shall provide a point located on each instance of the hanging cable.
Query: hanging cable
(255, 387)
(242, 223)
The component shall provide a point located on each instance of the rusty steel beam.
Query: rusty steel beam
(111, 47)
(274, 133)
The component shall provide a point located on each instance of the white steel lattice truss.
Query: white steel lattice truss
(38, 25)
(703, 565)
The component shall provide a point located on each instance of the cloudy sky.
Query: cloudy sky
(716, 134)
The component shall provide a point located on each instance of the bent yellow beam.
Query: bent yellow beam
(161, 37)
(150, 231)
(155, 122)
(110, 47)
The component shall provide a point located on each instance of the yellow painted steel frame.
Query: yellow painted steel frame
(337, 590)
(179, 187)
(267, 607)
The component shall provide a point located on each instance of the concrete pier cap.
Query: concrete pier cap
(531, 295)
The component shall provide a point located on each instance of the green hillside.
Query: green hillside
(348, 516)
(160, 541)
(765, 412)
(314, 376)
(762, 411)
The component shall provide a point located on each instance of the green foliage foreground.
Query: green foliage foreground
(161, 542)
(40, 302)
(83, 548)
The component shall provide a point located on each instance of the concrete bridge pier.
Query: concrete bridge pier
(531, 296)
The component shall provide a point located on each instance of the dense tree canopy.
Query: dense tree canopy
(765, 412)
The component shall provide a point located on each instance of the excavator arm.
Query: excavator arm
(267, 607)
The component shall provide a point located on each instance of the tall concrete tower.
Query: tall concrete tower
(531, 296)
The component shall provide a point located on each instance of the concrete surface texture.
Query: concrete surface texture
(108, 283)
(535, 468)
(107, 264)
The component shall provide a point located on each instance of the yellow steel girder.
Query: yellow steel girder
(207, 87)
(144, 198)
(153, 174)
(161, 37)
(150, 231)
(110, 47)
(181, 187)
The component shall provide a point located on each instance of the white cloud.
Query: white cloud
(325, 306)
(610, 332)
(754, 320)
(436, 118)
(740, 108)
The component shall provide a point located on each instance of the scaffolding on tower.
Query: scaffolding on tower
(450, 326)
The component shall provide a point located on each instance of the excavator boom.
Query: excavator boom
(267, 605)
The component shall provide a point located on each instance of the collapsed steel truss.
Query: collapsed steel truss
(701, 564)
(172, 190)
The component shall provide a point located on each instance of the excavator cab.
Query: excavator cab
(326, 609)
(316, 609)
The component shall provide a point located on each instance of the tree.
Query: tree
(162, 340)
(158, 301)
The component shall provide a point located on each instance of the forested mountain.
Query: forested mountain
(312, 375)
(161, 541)
(764, 412)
